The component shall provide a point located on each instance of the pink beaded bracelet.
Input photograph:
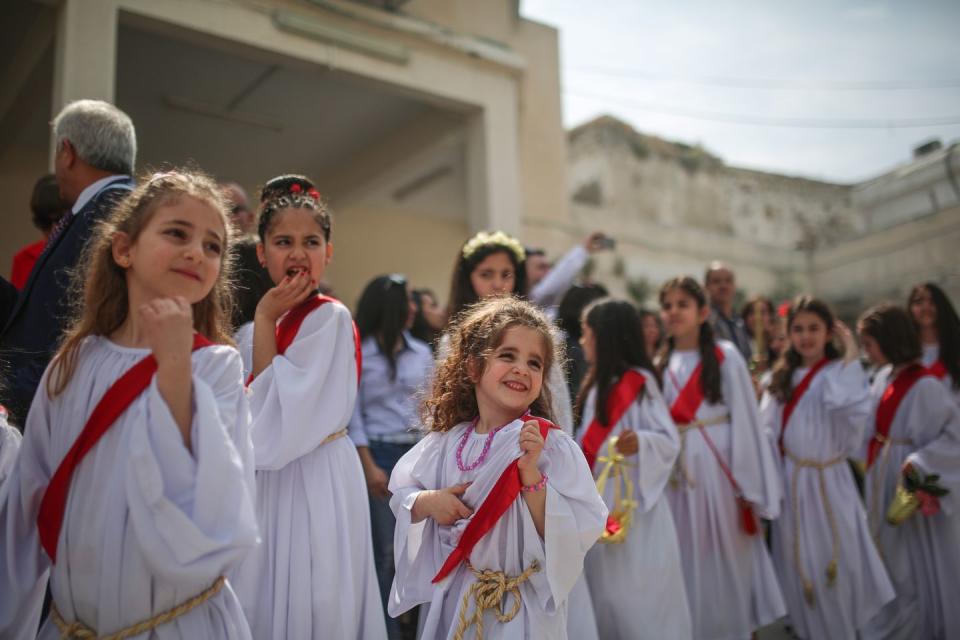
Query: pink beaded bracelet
(536, 487)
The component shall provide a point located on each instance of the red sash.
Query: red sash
(896, 390)
(795, 398)
(114, 402)
(288, 327)
(503, 494)
(619, 399)
(685, 407)
(938, 369)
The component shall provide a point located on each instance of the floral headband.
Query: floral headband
(499, 238)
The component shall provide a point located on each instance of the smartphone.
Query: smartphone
(606, 242)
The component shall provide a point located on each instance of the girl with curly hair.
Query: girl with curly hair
(495, 507)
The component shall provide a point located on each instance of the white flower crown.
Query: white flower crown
(499, 238)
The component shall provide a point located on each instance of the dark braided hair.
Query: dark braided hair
(291, 192)
(710, 381)
(619, 347)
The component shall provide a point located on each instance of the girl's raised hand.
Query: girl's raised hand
(288, 293)
(531, 443)
(168, 328)
(851, 351)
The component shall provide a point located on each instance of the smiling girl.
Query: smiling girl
(133, 490)
(726, 474)
(313, 576)
(494, 501)
(914, 427)
(816, 409)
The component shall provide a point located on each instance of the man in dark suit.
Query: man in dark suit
(96, 149)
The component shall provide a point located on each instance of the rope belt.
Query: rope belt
(490, 591)
(876, 514)
(81, 631)
(807, 463)
(680, 472)
(334, 436)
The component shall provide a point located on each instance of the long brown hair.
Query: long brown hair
(710, 381)
(99, 284)
(894, 331)
(781, 383)
(474, 335)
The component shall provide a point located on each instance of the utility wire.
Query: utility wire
(771, 83)
(798, 123)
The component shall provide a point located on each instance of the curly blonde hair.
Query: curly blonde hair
(473, 336)
(99, 285)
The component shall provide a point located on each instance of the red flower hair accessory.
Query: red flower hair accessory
(295, 188)
(313, 193)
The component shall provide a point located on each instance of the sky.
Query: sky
(755, 82)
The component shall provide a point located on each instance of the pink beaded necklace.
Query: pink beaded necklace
(486, 446)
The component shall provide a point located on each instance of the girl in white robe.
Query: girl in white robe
(9, 445)
(922, 554)
(731, 584)
(939, 327)
(636, 585)
(161, 506)
(494, 372)
(832, 576)
(313, 576)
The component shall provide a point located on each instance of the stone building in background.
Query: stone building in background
(673, 208)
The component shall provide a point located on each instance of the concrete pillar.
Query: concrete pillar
(86, 52)
(493, 171)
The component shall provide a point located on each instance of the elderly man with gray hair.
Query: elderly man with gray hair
(96, 147)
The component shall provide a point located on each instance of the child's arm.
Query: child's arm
(531, 443)
(168, 326)
(290, 292)
(443, 505)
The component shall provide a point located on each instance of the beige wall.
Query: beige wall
(20, 168)
(417, 246)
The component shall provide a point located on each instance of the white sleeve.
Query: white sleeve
(935, 421)
(9, 447)
(659, 446)
(549, 290)
(24, 566)
(751, 457)
(308, 393)
(575, 518)
(416, 547)
(846, 397)
(193, 514)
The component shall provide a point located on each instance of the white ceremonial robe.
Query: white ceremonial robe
(313, 576)
(731, 584)
(9, 448)
(931, 353)
(922, 555)
(148, 524)
(637, 586)
(575, 517)
(827, 425)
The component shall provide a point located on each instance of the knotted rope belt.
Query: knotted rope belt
(490, 591)
(80, 631)
(336, 435)
(820, 467)
(680, 470)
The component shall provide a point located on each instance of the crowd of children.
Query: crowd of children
(312, 477)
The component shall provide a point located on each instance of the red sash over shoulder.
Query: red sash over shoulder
(619, 399)
(938, 369)
(114, 402)
(890, 401)
(685, 407)
(795, 397)
(289, 326)
(503, 494)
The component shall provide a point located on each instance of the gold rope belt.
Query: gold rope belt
(82, 632)
(334, 436)
(680, 470)
(807, 463)
(489, 592)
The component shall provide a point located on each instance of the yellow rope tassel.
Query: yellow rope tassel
(804, 463)
(615, 464)
(489, 591)
(81, 631)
